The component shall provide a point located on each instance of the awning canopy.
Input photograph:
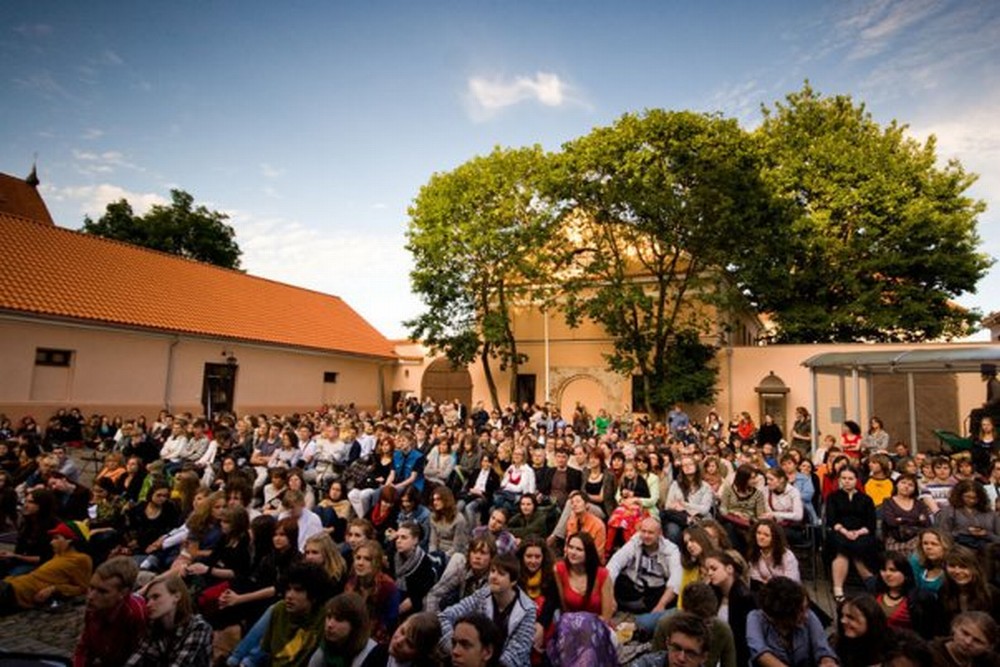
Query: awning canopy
(942, 360)
(862, 366)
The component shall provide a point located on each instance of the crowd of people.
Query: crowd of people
(438, 534)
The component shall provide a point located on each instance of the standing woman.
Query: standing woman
(177, 637)
(769, 433)
(769, 555)
(850, 518)
(725, 574)
(850, 440)
(984, 448)
(876, 441)
(802, 431)
(904, 515)
(583, 583)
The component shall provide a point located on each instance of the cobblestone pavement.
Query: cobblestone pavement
(42, 631)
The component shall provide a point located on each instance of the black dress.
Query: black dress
(853, 513)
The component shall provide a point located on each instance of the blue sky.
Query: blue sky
(314, 124)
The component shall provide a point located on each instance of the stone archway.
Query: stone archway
(443, 382)
(581, 388)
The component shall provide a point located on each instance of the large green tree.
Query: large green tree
(884, 238)
(180, 229)
(478, 236)
(665, 208)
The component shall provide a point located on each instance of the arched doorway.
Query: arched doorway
(443, 382)
(585, 390)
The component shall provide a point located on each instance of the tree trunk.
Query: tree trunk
(484, 357)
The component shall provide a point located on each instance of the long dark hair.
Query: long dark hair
(901, 562)
(977, 593)
(741, 480)
(591, 560)
(875, 643)
(689, 484)
(350, 608)
(779, 541)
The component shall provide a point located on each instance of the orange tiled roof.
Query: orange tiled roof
(52, 271)
(19, 197)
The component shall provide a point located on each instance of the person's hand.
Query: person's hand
(43, 595)
(228, 598)
(978, 531)
(539, 643)
(197, 569)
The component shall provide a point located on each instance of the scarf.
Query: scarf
(407, 565)
(533, 585)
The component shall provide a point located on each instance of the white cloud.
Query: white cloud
(740, 101)
(109, 57)
(92, 133)
(270, 171)
(877, 24)
(105, 162)
(369, 270)
(34, 30)
(44, 84)
(486, 96)
(93, 200)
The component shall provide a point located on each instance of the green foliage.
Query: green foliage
(883, 239)
(668, 206)
(479, 236)
(690, 375)
(178, 229)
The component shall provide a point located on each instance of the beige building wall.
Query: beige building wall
(577, 372)
(123, 372)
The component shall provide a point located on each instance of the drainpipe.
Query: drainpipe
(729, 380)
(170, 373)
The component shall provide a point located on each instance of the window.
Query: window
(48, 357)
(526, 388)
(330, 377)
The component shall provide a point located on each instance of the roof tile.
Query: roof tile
(54, 271)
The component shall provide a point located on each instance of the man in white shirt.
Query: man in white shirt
(293, 505)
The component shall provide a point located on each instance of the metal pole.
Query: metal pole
(814, 414)
(856, 380)
(911, 399)
(545, 328)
